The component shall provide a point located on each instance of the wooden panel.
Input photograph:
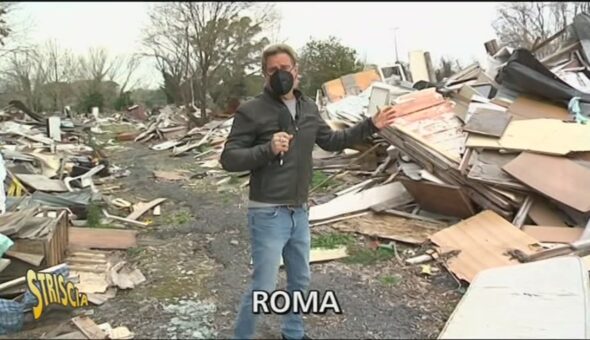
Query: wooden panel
(390, 227)
(334, 90)
(102, 238)
(487, 122)
(528, 108)
(442, 199)
(482, 242)
(553, 234)
(557, 177)
(542, 213)
(366, 78)
(548, 136)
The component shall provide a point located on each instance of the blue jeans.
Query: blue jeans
(276, 231)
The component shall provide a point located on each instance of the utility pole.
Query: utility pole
(395, 43)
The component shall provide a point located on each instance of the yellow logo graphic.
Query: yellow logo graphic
(53, 289)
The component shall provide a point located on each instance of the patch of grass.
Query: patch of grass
(131, 252)
(94, 215)
(319, 177)
(366, 256)
(390, 280)
(331, 240)
(178, 218)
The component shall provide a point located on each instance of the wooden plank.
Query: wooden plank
(88, 327)
(529, 108)
(489, 123)
(322, 255)
(542, 213)
(443, 199)
(355, 202)
(540, 300)
(101, 238)
(390, 227)
(42, 183)
(34, 259)
(145, 208)
(553, 234)
(482, 242)
(549, 136)
(568, 182)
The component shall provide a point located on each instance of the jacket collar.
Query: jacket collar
(298, 94)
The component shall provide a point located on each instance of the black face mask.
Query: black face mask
(281, 82)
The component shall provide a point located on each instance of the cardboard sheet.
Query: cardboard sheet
(482, 242)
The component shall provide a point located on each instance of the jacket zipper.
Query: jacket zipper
(294, 122)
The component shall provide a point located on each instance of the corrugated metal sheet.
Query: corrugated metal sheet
(483, 241)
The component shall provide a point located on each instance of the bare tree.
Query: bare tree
(167, 42)
(526, 24)
(193, 41)
(24, 76)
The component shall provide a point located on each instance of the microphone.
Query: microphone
(284, 122)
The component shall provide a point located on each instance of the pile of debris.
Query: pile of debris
(54, 199)
(490, 167)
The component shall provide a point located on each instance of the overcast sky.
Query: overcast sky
(444, 28)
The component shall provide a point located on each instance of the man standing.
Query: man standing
(273, 137)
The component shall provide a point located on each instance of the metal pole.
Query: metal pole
(395, 42)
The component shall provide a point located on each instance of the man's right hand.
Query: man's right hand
(280, 142)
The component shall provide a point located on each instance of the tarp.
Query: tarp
(527, 75)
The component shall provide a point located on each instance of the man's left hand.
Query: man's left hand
(384, 117)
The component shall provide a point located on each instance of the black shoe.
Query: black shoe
(305, 337)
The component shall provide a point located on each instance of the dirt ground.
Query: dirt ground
(195, 257)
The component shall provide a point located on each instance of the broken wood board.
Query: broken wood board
(42, 183)
(4, 263)
(322, 255)
(99, 299)
(172, 175)
(89, 328)
(34, 259)
(528, 108)
(488, 122)
(549, 136)
(554, 234)
(355, 202)
(443, 199)
(102, 238)
(482, 242)
(145, 208)
(390, 227)
(557, 177)
(542, 213)
(547, 299)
